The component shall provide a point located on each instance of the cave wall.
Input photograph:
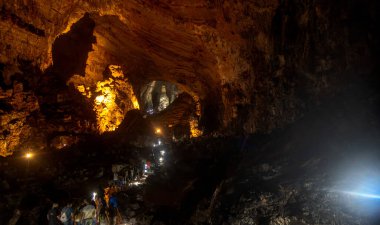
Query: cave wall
(310, 51)
(254, 65)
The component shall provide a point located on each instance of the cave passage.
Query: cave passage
(158, 95)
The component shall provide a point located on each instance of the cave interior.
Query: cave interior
(262, 112)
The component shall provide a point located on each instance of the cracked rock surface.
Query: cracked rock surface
(254, 66)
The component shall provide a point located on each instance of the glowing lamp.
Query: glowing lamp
(28, 155)
(136, 183)
(158, 131)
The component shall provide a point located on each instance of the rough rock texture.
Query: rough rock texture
(302, 175)
(174, 120)
(308, 177)
(253, 65)
(18, 105)
(112, 97)
(306, 174)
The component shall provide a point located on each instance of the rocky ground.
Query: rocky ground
(295, 176)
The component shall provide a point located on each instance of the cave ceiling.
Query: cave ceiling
(158, 40)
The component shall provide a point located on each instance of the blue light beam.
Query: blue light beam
(359, 194)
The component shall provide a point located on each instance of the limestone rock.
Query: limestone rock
(254, 66)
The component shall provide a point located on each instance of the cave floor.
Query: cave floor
(324, 169)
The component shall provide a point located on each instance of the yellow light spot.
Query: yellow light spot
(194, 131)
(116, 71)
(158, 131)
(99, 99)
(135, 102)
(85, 91)
(81, 88)
(28, 155)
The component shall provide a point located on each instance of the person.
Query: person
(113, 210)
(16, 216)
(52, 215)
(99, 208)
(107, 192)
(113, 201)
(88, 214)
(78, 214)
(67, 215)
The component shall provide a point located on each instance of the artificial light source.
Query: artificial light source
(28, 155)
(135, 183)
(360, 184)
(360, 194)
(158, 131)
(161, 159)
(94, 196)
(150, 111)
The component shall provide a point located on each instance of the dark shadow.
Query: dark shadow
(70, 53)
(3, 85)
(70, 50)
(210, 120)
(133, 127)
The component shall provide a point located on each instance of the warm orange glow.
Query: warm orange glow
(81, 88)
(194, 131)
(158, 131)
(197, 105)
(77, 80)
(135, 102)
(99, 99)
(28, 155)
(118, 74)
(109, 115)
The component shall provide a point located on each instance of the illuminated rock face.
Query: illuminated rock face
(112, 97)
(110, 113)
(254, 65)
(14, 127)
(195, 131)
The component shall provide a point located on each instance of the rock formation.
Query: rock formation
(254, 66)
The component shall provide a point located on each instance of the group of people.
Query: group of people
(65, 216)
(102, 209)
(98, 211)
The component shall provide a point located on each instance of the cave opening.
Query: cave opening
(171, 110)
(158, 95)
